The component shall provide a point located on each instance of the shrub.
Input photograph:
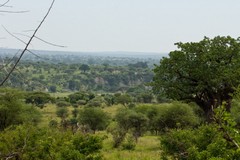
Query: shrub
(95, 118)
(129, 143)
(62, 103)
(176, 115)
(206, 142)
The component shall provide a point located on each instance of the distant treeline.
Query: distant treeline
(62, 77)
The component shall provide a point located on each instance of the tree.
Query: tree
(13, 111)
(204, 72)
(124, 99)
(26, 48)
(84, 67)
(94, 118)
(129, 119)
(38, 98)
(53, 88)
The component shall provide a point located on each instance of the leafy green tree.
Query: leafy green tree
(53, 88)
(128, 119)
(14, 111)
(63, 114)
(75, 97)
(204, 72)
(94, 118)
(38, 98)
(218, 140)
(84, 67)
(123, 99)
(145, 98)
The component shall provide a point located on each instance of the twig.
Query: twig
(4, 4)
(49, 43)
(26, 47)
(1, 11)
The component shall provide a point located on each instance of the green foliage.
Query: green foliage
(129, 143)
(204, 72)
(217, 140)
(123, 99)
(109, 99)
(95, 102)
(28, 142)
(94, 118)
(128, 119)
(53, 88)
(80, 96)
(84, 67)
(145, 97)
(62, 112)
(53, 124)
(176, 115)
(62, 103)
(169, 116)
(118, 134)
(38, 98)
(13, 111)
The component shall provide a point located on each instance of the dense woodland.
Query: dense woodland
(185, 107)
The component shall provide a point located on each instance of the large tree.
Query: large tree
(204, 72)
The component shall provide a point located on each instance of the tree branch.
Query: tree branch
(27, 45)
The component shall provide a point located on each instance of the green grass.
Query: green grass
(48, 114)
(147, 148)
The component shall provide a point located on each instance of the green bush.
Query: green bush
(206, 142)
(94, 118)
(176, 115)
(168, 116)
(62, 103)
(129, 143)
(30, 142)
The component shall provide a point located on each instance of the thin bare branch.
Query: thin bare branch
(14, 35)
(49, 43)
(30, 30)
(27, 45)
(4, 4)
(52, 44)
(2, 11)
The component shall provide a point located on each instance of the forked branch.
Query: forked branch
(27, 45)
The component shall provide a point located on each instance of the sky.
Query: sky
(118, 25)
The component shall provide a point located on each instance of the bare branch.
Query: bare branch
(2, 11)
(4, 4)
(49, 43)
(27, 45)
(52, 44)
(14, 35)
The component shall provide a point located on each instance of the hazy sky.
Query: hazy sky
(120, 25)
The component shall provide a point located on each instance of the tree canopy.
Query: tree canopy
(204, 72)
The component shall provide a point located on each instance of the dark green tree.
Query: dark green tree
(84, 67)
(128, 119)
(123, 99)
(13, 110)
(94, 118)
(38, 98)
(204, 72)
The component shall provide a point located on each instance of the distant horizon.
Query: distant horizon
(133, 52)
